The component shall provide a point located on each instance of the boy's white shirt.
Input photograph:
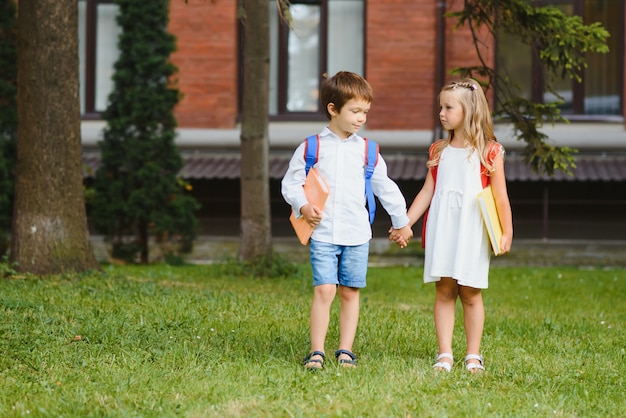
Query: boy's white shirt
(345, 220)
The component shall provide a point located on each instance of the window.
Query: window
(97, 35)
(600, 93)
(326, 36)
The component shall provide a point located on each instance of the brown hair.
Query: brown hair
(342, 87)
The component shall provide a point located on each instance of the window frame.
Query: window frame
(283, 65)
(578, 88)
(91, 28)
(285, 115)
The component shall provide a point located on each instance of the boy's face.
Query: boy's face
(350, 118)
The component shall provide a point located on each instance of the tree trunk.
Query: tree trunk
(49, 233)
(256, 232)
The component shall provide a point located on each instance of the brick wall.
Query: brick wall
(206, 58)
(400, 57)
(400, 61)
(460, 49)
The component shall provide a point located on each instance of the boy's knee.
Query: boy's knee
(348, 293)
(325, 291)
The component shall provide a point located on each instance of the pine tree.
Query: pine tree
(138, 193)
(8, 115)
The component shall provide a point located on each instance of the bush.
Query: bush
(138, 193)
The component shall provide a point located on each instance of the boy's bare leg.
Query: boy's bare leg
(348, 318)
(446, 292)
(323, 296)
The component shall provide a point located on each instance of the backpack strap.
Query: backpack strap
(311, 152)
(492, 152)
(371, 159)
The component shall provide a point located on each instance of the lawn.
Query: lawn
(197, 341)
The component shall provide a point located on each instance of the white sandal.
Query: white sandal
(474, 367)
(444, 364)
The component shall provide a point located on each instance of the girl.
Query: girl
(457, 246)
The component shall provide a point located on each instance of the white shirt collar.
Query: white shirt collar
(326, 132)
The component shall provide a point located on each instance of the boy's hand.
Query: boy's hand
(401, 236)
(312, 214)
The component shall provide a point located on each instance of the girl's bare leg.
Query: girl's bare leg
(446, 292)
(474, 318)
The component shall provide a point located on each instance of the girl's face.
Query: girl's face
(349, 120)
(451, 114)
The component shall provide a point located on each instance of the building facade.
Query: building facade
(406, 49)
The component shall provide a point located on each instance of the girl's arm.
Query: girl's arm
(422, 200)
(417, 209)
(503, 205)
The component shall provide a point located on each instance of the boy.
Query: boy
(339, 245)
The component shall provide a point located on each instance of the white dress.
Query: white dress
(457, 244)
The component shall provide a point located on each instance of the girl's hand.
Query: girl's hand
(401, 236)
(505, 244)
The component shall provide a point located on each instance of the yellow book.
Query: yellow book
(316, 192)
(487, 205)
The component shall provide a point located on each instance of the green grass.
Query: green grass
(190, 341)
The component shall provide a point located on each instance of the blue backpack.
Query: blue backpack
(311, 151)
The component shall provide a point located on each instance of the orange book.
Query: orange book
(487, 205)
(316, 192)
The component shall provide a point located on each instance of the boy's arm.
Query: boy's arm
(293, 180)
(389, 195)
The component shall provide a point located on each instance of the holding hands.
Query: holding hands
(401, 236)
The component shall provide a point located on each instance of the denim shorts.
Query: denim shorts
(344, 265)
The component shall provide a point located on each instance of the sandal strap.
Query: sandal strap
(346, 352)
(444, 364)
(309, 358)
(349, 354)
(445, 355)
(471, 366)
(474, 357)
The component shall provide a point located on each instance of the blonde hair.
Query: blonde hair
(477, 122)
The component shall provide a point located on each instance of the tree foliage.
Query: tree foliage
(138, 193)
(8, 114)
(561, 43)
